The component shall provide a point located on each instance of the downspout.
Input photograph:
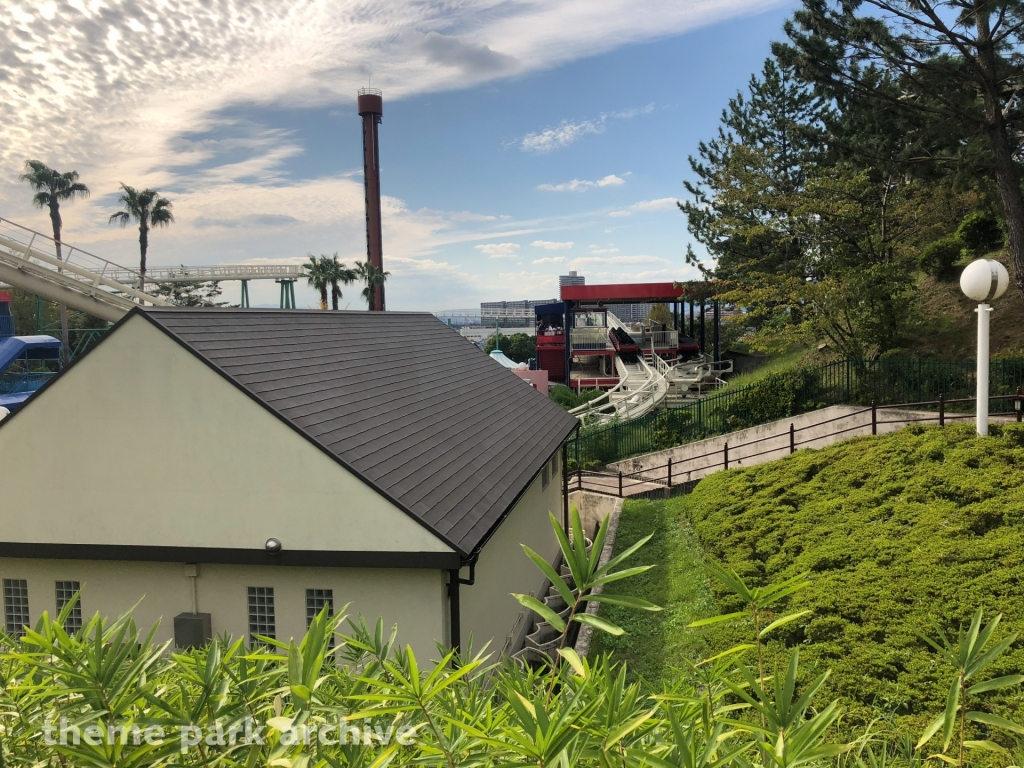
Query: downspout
(453, 610)
(565, 483)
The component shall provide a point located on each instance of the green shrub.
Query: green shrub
(899, 533)
(980, 232)
(569, 399)
(939, 259)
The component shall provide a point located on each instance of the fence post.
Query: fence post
(942, 409)
(1018, 406)
(620, 483)
(874, 418)
(726, 455)
(792, 438)
(579, 479)
(669, 471)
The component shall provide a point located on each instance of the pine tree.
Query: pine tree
(768, 139)
(958, 63)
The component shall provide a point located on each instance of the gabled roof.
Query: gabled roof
(400, 399)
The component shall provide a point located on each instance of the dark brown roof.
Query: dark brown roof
(399, 398)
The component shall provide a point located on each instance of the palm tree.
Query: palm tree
(338, 273)
(318, 276)
(53, 188)
(149, 210)
(373, 277)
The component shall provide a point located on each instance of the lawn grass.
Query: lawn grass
(781, 363)
(901, 534)
(657, 645)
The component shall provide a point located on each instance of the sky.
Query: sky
(520, 138)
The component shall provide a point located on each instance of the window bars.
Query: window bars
(262, 620)
(66, 590)
(16, 616)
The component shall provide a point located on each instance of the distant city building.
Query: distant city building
(510, 312)
(571, 279)
(631, 313)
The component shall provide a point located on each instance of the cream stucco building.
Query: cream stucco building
(399, 468)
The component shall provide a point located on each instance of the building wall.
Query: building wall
(488, 610)
(414, 599)
(142, 443)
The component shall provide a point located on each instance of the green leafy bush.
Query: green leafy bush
(939, 258)
(569, 399)
(980, 232)
(899, 533)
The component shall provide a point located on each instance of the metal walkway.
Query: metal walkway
(68, 275)
(205, 274)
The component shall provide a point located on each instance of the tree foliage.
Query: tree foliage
(516, 346)
(147, 209)
(817, 207)
(954, 67)
(51, 189)
(198, 294)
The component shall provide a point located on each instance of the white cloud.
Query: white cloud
(561, 136)
(551, 260)
(640, 259)
(567, 131)
(661, 204)
(75, 93)
(499, 250)
(576, 185)
(602, 250)
(551, 245)
(467, 216)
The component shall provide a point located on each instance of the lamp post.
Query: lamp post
(983, 280)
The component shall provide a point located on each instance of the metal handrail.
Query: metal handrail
(642, 476)
(86, 279)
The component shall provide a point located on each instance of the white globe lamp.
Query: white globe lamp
(983, 281)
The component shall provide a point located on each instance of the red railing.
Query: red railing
(662, 476)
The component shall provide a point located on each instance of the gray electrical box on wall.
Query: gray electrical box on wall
(192, 630)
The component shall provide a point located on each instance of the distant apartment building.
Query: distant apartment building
(510, 312)
(631, 313)
(571, 279)
(627, 313)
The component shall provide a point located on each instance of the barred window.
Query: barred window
(16, 606)
(545, 477)
(65, 592)
(555, 462)
(261, 612)
(316, 599)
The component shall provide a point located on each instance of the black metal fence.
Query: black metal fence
(779, 396)
(688, 472)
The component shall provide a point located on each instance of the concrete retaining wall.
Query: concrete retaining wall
(813, 430)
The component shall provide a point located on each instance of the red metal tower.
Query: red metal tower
(371, 108)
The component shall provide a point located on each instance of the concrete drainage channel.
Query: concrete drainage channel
(543, 640)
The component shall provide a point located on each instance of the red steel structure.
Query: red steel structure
(555, 324)
(371, 109)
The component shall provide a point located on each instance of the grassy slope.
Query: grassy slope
(950, 322)
(899, 533)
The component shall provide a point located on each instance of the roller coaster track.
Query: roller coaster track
(650, 384)
(68, 275)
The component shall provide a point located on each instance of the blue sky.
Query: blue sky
(500, 170)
